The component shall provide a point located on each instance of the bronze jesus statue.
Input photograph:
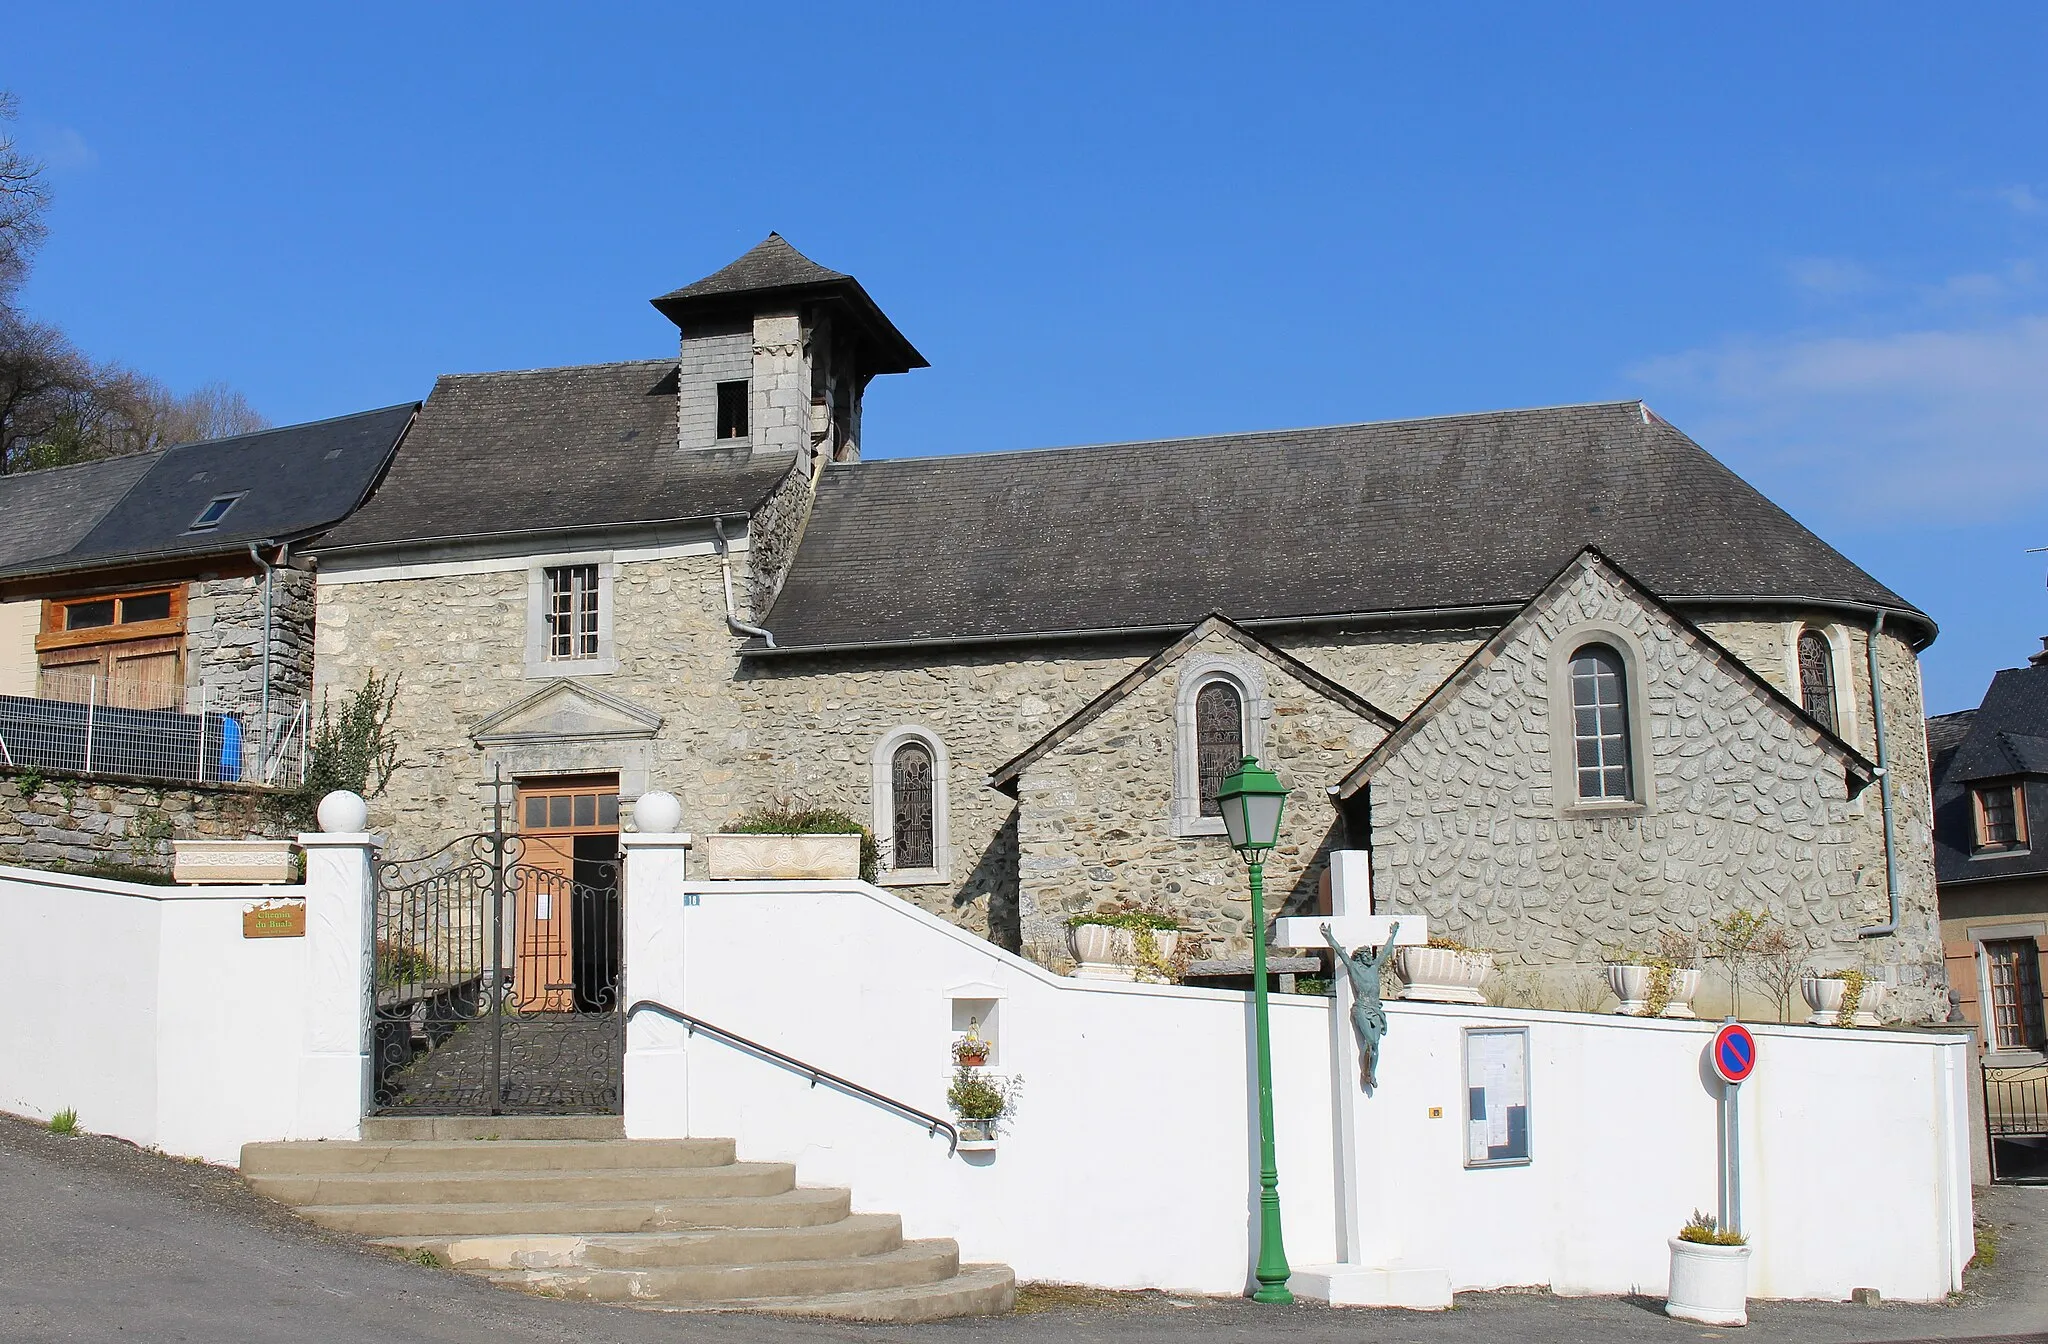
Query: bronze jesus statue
(1368, 1017)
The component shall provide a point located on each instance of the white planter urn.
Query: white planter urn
(1632, 984)
(1824, 997)
(1875, 992)
(1709, 1284)
(1105, 952)
(1442, 974)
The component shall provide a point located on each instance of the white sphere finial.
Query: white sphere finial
(658, 813)
(342, 812)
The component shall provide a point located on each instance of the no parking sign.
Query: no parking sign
(1734, 1052)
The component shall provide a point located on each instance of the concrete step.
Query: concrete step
(391, 1128)
(528, 1187)
(977, 1290)
(859, 1234)
(791, 1208)
(913, 1264)
(471, 1155)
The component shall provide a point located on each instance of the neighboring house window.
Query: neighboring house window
(572, 612)
(2001, 817)
(1817, 679)
(121, 649)
(1219, 740)
(2012, 968)
(732, 410)
(1600, 733)
(910, 806)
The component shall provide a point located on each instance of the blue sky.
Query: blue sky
(1815, 237)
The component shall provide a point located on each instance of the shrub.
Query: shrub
(1127, 919)
(976, 1095)
(785, 820)
(1703, 1230)
(352, 748)
(398, 965)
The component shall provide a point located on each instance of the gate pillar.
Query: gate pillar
(334, 1059)
(657, 1071)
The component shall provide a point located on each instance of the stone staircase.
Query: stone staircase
(568, 1207)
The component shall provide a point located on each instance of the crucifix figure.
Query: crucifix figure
(1368, 1017)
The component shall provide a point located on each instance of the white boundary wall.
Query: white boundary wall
(1132, 1161)
(144, 1008)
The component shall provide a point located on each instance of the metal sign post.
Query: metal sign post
(1734, 1058)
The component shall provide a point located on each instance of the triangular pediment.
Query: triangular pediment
(566, 711)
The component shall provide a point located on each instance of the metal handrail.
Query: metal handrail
(817, 1074)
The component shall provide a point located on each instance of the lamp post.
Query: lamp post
(1250, 801)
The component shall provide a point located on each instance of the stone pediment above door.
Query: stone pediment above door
(566, 711)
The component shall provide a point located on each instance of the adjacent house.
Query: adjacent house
(1570, 680)
(1991, 857)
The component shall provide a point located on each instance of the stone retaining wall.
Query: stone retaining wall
(87, 823)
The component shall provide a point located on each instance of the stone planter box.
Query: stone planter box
(977, 1136)
(1109, 953)
(1442, 974)
(757, 857)
(1631, 984)
(232, 862)
(1709, 1284)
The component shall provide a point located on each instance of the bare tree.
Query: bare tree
(23, 198)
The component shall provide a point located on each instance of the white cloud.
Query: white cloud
(1937, 424)
(2023, 199)
(64, 149)
(1829, 275)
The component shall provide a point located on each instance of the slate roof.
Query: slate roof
(553, 450)
(1402, 516)
(292, 482)
(2006, 736)
(773, 271)
(45, 513)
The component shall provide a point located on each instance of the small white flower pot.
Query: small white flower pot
(1709, 1284)
(977, 1136)
(1824, 997)
(1104, 952)
(1442, 974)
(1631, 984)
(1871, 1004)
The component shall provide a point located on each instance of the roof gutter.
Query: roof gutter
(732, 621)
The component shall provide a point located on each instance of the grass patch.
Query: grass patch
(64, 1122)
(1986, 1248)
(1039, 1297)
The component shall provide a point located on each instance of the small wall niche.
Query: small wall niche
(978, 1008)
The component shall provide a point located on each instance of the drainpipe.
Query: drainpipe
(268, 570)
(1884, 789)
(732, 620)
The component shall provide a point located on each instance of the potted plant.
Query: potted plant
(971, 1051)
(1838, 998)
(1443, 971)
(1709, 1274)
(1656, 984)
(1122, 944)
(785, 841)
(983, 1101)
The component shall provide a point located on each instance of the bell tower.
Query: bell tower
(776, 352)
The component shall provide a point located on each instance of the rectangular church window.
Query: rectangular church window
(732, 410)
(572, 612)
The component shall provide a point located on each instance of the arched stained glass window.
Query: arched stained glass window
(1600, 724)
(910, 793)
(1219, 739)
(1817, 678)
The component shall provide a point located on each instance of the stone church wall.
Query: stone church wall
(1746, 811)
(224, 624)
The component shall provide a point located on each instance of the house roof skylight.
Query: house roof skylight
(216, 509)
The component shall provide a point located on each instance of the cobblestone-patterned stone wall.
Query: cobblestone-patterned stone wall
(1094, 820)
(80, 823)
(771, 540)
(1747, 811)
(224, 636)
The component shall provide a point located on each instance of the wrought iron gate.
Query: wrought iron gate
(496, 970)
(2016, 1116)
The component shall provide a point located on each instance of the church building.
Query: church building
(1567, 678)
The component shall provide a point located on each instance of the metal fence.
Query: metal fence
(90, 725)
(2016, 1113)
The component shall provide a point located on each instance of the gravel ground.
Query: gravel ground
(100, 1240)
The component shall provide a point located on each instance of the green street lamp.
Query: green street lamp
(1251, 800)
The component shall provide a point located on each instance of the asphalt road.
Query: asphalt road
(102, 1241)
